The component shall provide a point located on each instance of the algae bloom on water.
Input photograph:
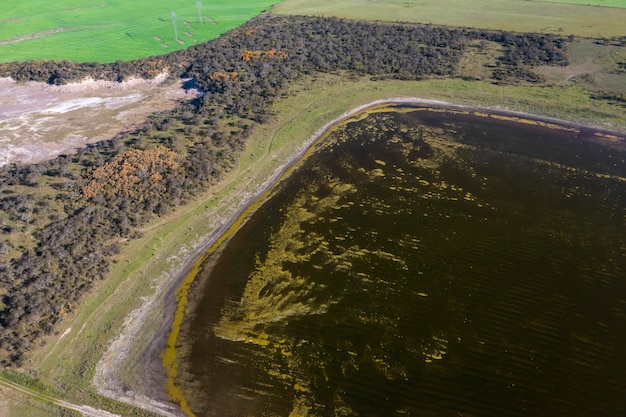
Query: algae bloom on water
(422, 263)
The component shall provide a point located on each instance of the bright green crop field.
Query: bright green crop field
(111, 30)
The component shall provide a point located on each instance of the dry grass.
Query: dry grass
(477, 58)
(592, 65)
(512, 15)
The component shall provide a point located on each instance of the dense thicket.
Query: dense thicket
(106, 191)
(402, 51)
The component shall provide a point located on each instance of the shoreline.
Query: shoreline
(169, 298)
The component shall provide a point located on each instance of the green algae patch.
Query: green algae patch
(169, 354)
(273, 292)
(369, 283)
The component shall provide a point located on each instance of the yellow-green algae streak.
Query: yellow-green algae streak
(273, 294)
(169, 353)
(273, 281)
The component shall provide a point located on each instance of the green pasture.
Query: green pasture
(111, 30)
(587, 19)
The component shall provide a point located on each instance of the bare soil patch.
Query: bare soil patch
(40, 121)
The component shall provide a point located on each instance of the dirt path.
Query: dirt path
(83, 409)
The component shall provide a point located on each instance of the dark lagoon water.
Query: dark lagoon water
(423, 263)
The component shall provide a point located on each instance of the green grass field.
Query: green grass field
(110, 30)
(560, 17)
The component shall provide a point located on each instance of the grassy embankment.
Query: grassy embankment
(107, 31)
(559, 17)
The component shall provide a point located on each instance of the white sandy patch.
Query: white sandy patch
(40, 121)
(65, 333)
(89, 84)
(74, 104)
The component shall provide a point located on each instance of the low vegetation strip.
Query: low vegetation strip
(107, 31)
(562, 18)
